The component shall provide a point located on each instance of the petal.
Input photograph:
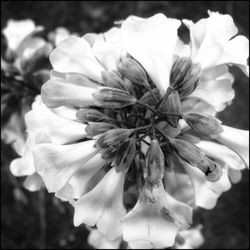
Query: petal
(207, 193)
(221, 152)
(66, 193)
(211, 42)
(16, 31)
(74, 55)
(237, 140)
(57, 163)
(108, 54)
(58, 35)
(181, 212)
(217, 92)
(145, 225)
(58, 92)
(60, 130)
(103, 205)
(234, 175)
(80, 181)
(192, 238)
(98, 241)
(179, 186)
(33, 182)
(152, 43)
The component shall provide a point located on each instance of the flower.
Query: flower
(131, 129)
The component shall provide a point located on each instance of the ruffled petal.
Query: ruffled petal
(58, 92)
(74, 54)
(149, 223)
(207, 193)
(152, 43)
(211, 44)
(103, 205)
(237, 140)
(57, 163)
(222, 153)
(216, 92)
(107, 53)
(33, 182)
(60, 130)
(98, 241)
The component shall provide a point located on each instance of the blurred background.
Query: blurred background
(38, 220)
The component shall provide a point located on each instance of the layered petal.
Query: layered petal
(216, 92)
(212, 42)
(74, 54)
(237, 140)
(58, 92)
(60, 130)
(222, 153)
(149, 224)
(98, 241)
(57, 163)
(152, 43)
(103, 205)
(33, 182)
(207, 193)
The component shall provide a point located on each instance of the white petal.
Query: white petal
(98, 241)
(60, 130)
(152, 43)
(217, 92)
(221, 152)
(207, 193)
(211, 42)
(108, 54)
(192, 237)
(65, 193)
(237, 140)
(80, 181)
(146, 224)
(33, 182)
(235, 176)
(57, 163)
(181, 212)
(103, 205)
(58, 92)
(179, 186)
(74, 54)
(16, 31)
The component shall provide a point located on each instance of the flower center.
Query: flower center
(138, 131)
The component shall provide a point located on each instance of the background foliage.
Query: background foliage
(38, 220)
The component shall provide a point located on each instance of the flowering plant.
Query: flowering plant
(126, 131)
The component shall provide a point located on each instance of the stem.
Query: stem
(42, 218)
(141, 128)
(146, 106)
(162, 132)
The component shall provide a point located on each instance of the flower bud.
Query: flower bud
(154, 171)
(91, 115)
(132, 70)
(125, 155)
(204, 124)
(147, 98)
(188, 152)
(113, 138)
(113, 98)
(184, 75)
(172, 104)
(111, 79)
(96, 128)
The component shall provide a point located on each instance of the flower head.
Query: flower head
(134, 160)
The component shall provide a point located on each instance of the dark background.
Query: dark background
(38, 220)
